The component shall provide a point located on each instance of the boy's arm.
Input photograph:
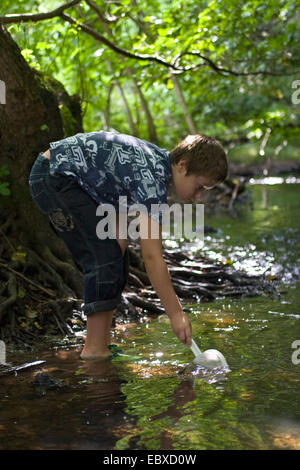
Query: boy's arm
(158, 273)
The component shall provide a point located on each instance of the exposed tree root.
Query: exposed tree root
(57, 308)
(69, 273)
(42, 269)
(12, 295)
(7, 266)
(195, 280)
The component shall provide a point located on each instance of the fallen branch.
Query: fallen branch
(145, 304)
(21, 368)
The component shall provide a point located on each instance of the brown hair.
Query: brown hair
(204, 156)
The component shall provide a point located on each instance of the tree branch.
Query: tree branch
(25, 17)
(103, 18)
(223, 71)
(113, 46)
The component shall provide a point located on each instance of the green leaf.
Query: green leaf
(21, 292)
(163, 32)
(31, 313)
(4, 190)
(18, 256)
(4, 171)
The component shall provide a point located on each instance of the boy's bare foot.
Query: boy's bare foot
(94, 355)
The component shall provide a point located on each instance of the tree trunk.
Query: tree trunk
(150, 123)
(176, 84)
(187, 115)
(30, 250)
(131, 124)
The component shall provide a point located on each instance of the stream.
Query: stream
(153, 401)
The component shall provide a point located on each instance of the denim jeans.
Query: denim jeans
(72, 213)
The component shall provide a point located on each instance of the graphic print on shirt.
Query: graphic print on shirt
(109, 165)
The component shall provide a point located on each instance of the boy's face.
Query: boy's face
(189, 188)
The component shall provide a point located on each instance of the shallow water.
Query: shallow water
(154, 401)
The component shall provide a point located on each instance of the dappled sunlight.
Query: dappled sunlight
(145, 369)
(285, 434)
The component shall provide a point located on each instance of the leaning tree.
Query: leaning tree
(32, 257)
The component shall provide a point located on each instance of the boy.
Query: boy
(78, 173)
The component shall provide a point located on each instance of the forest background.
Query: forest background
(162, 69)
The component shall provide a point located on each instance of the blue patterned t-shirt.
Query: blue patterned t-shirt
(108, 165)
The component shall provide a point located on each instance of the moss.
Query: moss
(69, 122)
(69, 106)
(49, 83)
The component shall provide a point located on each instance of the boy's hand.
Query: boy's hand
(181, 326)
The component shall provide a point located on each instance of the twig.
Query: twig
(149, 306)
(28, 280)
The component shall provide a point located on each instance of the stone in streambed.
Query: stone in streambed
(44, 382)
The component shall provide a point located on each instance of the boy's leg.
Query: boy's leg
(98, 328)
(73, 215)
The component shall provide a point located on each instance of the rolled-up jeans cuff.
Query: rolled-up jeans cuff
(100, 306)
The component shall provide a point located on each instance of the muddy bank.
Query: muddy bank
(270, 168)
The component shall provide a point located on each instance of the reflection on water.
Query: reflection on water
(158, 399)
(77, 417)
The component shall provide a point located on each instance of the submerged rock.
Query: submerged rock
(44, 382)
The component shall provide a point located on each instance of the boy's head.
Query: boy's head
(198, 162)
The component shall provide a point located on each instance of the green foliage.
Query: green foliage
(236, 63)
